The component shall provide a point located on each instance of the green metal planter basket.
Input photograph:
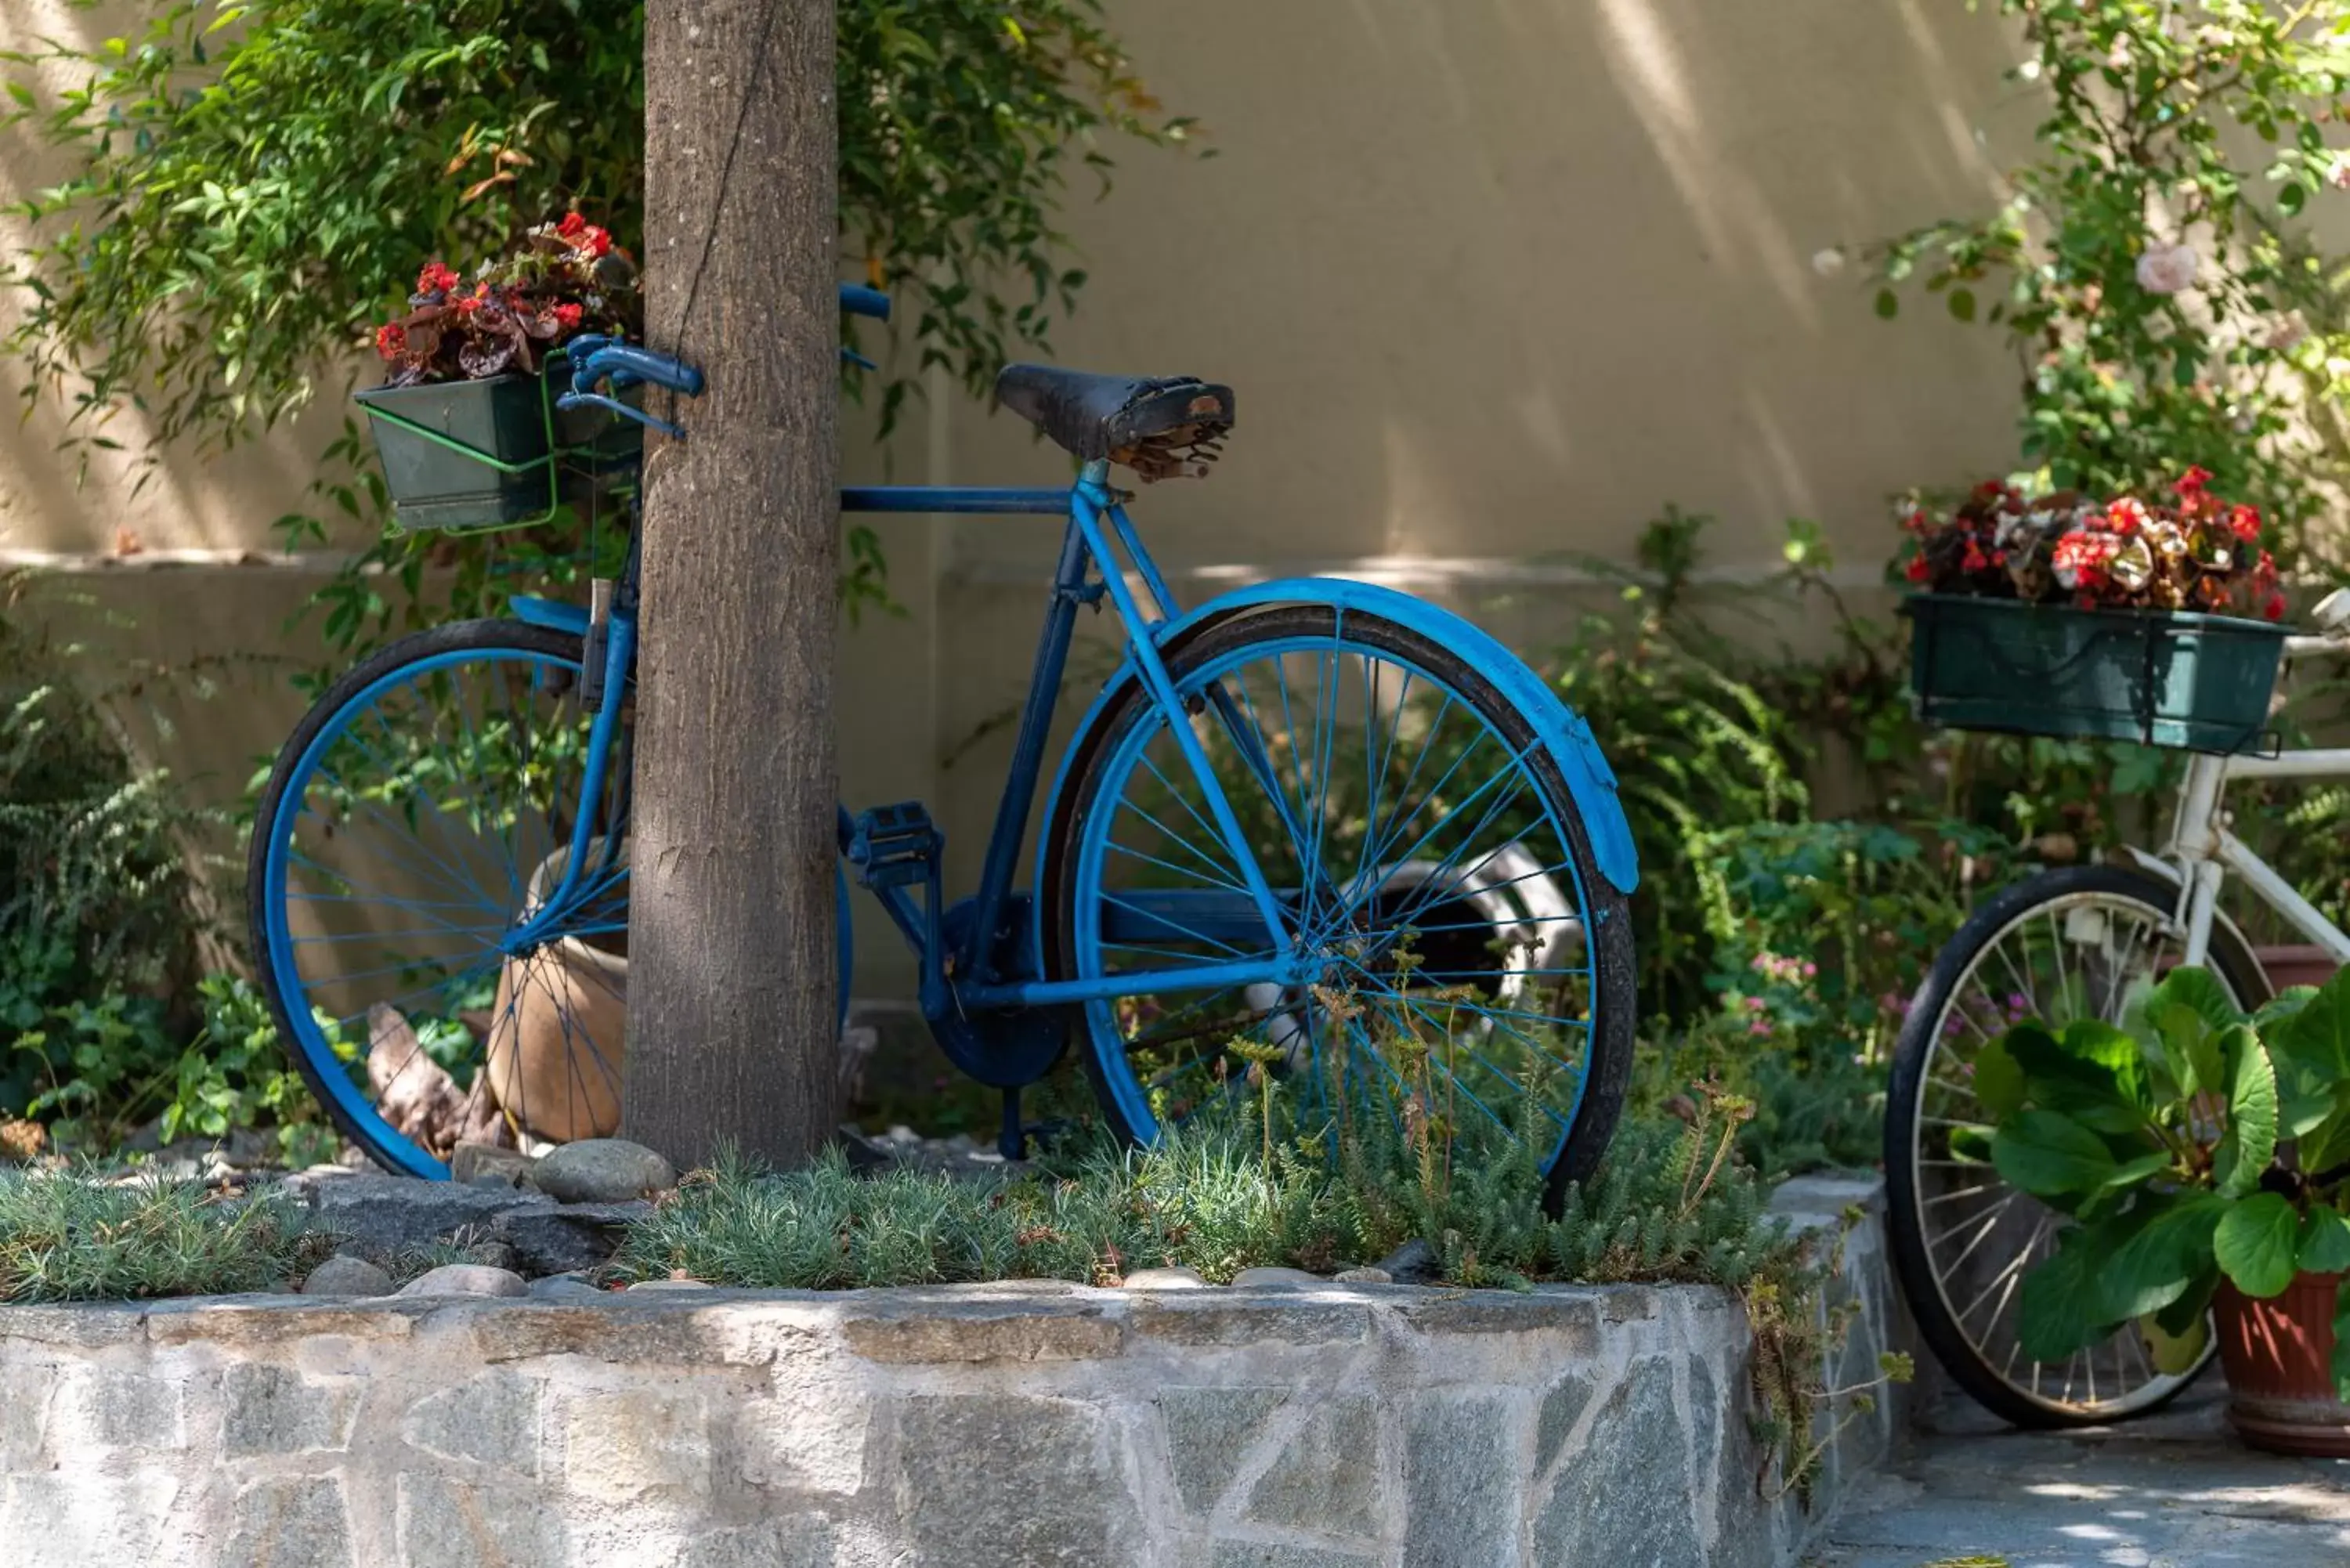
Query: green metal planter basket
(2200, 682)
(466, 456)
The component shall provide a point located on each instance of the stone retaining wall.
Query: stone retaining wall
(1000, 1427)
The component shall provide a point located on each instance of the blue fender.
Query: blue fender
(558, 615)
(1588, 777)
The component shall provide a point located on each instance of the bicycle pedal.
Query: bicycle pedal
(895, 845)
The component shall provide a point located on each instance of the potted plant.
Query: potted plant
(2202, 1158)
(465, 421)
(2124, 619)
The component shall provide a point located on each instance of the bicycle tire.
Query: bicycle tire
(1908, 1190)
(1226, 646)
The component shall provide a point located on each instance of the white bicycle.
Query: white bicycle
(2065, 944)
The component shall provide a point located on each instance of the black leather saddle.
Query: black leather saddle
(1161, 426)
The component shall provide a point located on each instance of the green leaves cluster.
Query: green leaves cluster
(2190, 1145)
(2201, 123)
(256, 181)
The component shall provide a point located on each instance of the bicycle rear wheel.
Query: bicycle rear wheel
(1472, 968)
(2063, 945)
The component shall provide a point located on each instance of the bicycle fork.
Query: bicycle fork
(2206, 851)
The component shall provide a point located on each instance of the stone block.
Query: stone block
(84, 1327)
(1327, 1479)
(1464, 1481)
(1269, 1554)
(77, 1519)
(106, 1407)
(1214, 1317)
(1627, 1496)
(24, 1412)
(1051, 1494)
(1209, 1431)
(489, 1420)
(381, 1215)
(1562, 1406)
(275, 1410)
(445, 1523)
(1573, 1318)
(617, 1446)
(566, 1237)
(267, 1322)
(295, 1522)
(803, 1542)
(932, 1332)
(630, 1328)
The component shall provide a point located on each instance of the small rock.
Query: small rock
(471, 1162)
(564, 1288)
(1165, 1280)
(1247, 1277)
(566, 1238)
(341, 1275)
(466, 1279)
(602, 1170)
(1413, 1263)
(672, 1286)
(22, 1140)
(1364, 1277)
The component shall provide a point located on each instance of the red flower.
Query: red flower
(1975, 560)
(2125, 516)
(1916, 521)
(567, 316)
(599, 242)
(2275, 609)
(2244, 523)
(391, 340)
(572, 226)
(1918, 571)
(2192, 482)
(436, 278)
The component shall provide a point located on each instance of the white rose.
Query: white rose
(1829, 262)
(2167, 269)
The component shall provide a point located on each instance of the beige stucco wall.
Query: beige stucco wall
(1494, 279)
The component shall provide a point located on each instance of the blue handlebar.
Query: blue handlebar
(858, 300)
(596, 358)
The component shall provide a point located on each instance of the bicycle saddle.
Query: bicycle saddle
(1161, 426)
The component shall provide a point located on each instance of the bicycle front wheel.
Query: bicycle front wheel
(1468, 968)
(2066, 944)
(421, 816)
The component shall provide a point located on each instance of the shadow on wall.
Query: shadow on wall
(1496, 277)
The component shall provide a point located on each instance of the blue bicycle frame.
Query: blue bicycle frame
(973, 982)
(982, 958)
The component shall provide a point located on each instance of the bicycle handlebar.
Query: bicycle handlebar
(596, 358)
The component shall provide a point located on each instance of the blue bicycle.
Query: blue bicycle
(1317, 827)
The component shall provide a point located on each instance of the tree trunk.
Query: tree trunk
(732, 1022)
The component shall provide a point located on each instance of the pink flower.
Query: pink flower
(2167, 269)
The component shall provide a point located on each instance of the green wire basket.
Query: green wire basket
(2198, 682)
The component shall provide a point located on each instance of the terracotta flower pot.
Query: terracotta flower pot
(2289, 966)
(2279, 1355)
(558, 1030)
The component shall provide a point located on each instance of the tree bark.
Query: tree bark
(731, 1021)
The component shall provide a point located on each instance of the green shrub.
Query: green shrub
(69, 1237)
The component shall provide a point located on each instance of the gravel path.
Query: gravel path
(2174, 1490)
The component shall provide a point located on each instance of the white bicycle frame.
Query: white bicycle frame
(2204, 851)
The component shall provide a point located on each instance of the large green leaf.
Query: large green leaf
(2258, 1243)
(2061, 1309)
(2186, 1013)
(1998, 1081)
(2171, 1246)
(2315, 1038)
(2324, 1240)
(2200, 992)
(2051, 1156)
(2324, 1144)
(2091, 1073)
(2175, 1354)
(2249, 1146)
